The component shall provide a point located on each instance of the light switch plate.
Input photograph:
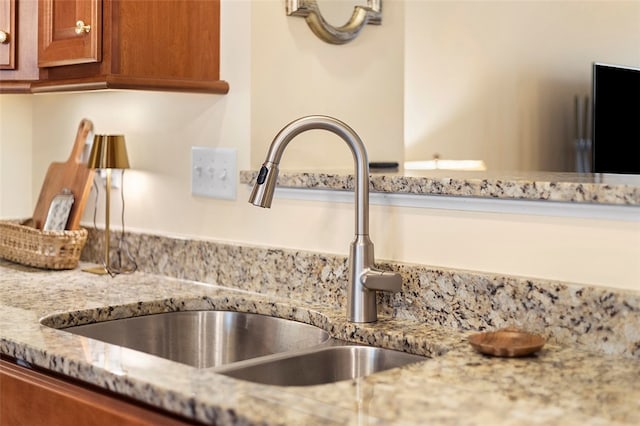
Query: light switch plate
(214, 172)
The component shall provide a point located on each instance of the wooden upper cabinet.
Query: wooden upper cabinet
(131, 44)
(69, 32)
(18, 45)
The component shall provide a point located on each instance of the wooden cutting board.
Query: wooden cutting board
(72, 174)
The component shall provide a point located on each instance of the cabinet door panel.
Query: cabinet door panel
(18, 54)
(30, 398)
(7, 40)
(59, 42)
(176, 39)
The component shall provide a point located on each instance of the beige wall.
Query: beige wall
(296, 74)
(496, 80)
(16, 124)
(161, 128)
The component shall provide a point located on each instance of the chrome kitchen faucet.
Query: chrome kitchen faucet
(364, 278)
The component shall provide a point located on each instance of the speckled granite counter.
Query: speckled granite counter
(567, 187)
(456, 386)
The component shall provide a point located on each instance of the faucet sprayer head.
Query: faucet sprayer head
(262, 193)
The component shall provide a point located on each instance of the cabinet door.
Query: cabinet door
(70, 32)
(7, 34)
(30, 398)
(18, 51)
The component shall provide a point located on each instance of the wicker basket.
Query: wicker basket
(42, 249)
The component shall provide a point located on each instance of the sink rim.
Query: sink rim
(88, 316)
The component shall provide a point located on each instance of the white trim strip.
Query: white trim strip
(472, 204)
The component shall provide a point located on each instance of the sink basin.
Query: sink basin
(324, 365)
(252, 347)
(205, 339)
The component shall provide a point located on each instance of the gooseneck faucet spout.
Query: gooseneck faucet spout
(364, 278)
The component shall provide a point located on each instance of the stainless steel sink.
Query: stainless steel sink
(205, 339)
(251, 347)
(324, 365)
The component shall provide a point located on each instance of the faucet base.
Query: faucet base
(361, 301)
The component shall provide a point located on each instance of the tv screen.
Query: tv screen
(616, 119)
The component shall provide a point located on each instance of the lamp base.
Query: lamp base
(99, 270)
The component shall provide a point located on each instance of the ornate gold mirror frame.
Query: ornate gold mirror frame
(362, 15)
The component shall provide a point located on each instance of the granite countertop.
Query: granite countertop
(594, 188)
(455, 386)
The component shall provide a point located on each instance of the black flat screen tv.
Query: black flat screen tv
(616, 119)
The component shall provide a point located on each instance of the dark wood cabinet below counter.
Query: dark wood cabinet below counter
(31, 398)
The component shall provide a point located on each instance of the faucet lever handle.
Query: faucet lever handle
(375, 279)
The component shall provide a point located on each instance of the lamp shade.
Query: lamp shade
(108, 152)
